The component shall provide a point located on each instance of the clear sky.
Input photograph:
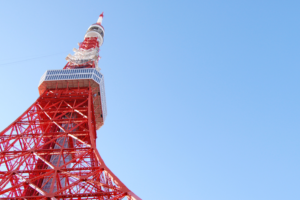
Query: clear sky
(202, 96)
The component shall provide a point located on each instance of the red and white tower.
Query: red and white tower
(50, 152)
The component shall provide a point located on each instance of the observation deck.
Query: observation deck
(79, 78)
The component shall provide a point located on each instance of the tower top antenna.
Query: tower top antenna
(100, 19)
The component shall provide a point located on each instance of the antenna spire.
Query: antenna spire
(100, 19)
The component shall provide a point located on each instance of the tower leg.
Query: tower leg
(50, 152)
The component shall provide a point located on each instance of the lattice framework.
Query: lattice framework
(54, 141)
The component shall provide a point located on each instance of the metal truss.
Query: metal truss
(50, 152)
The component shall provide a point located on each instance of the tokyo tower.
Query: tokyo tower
(50, 152)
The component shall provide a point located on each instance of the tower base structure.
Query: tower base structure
(50, 151)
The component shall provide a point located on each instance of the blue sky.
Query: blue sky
(202, 96)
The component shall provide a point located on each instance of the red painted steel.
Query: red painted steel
(88, 43)
(54, 142)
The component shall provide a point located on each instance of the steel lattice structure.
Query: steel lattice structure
(50, 151)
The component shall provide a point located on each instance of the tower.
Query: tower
(50, 152)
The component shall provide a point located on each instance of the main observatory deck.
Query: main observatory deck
(74, 78)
